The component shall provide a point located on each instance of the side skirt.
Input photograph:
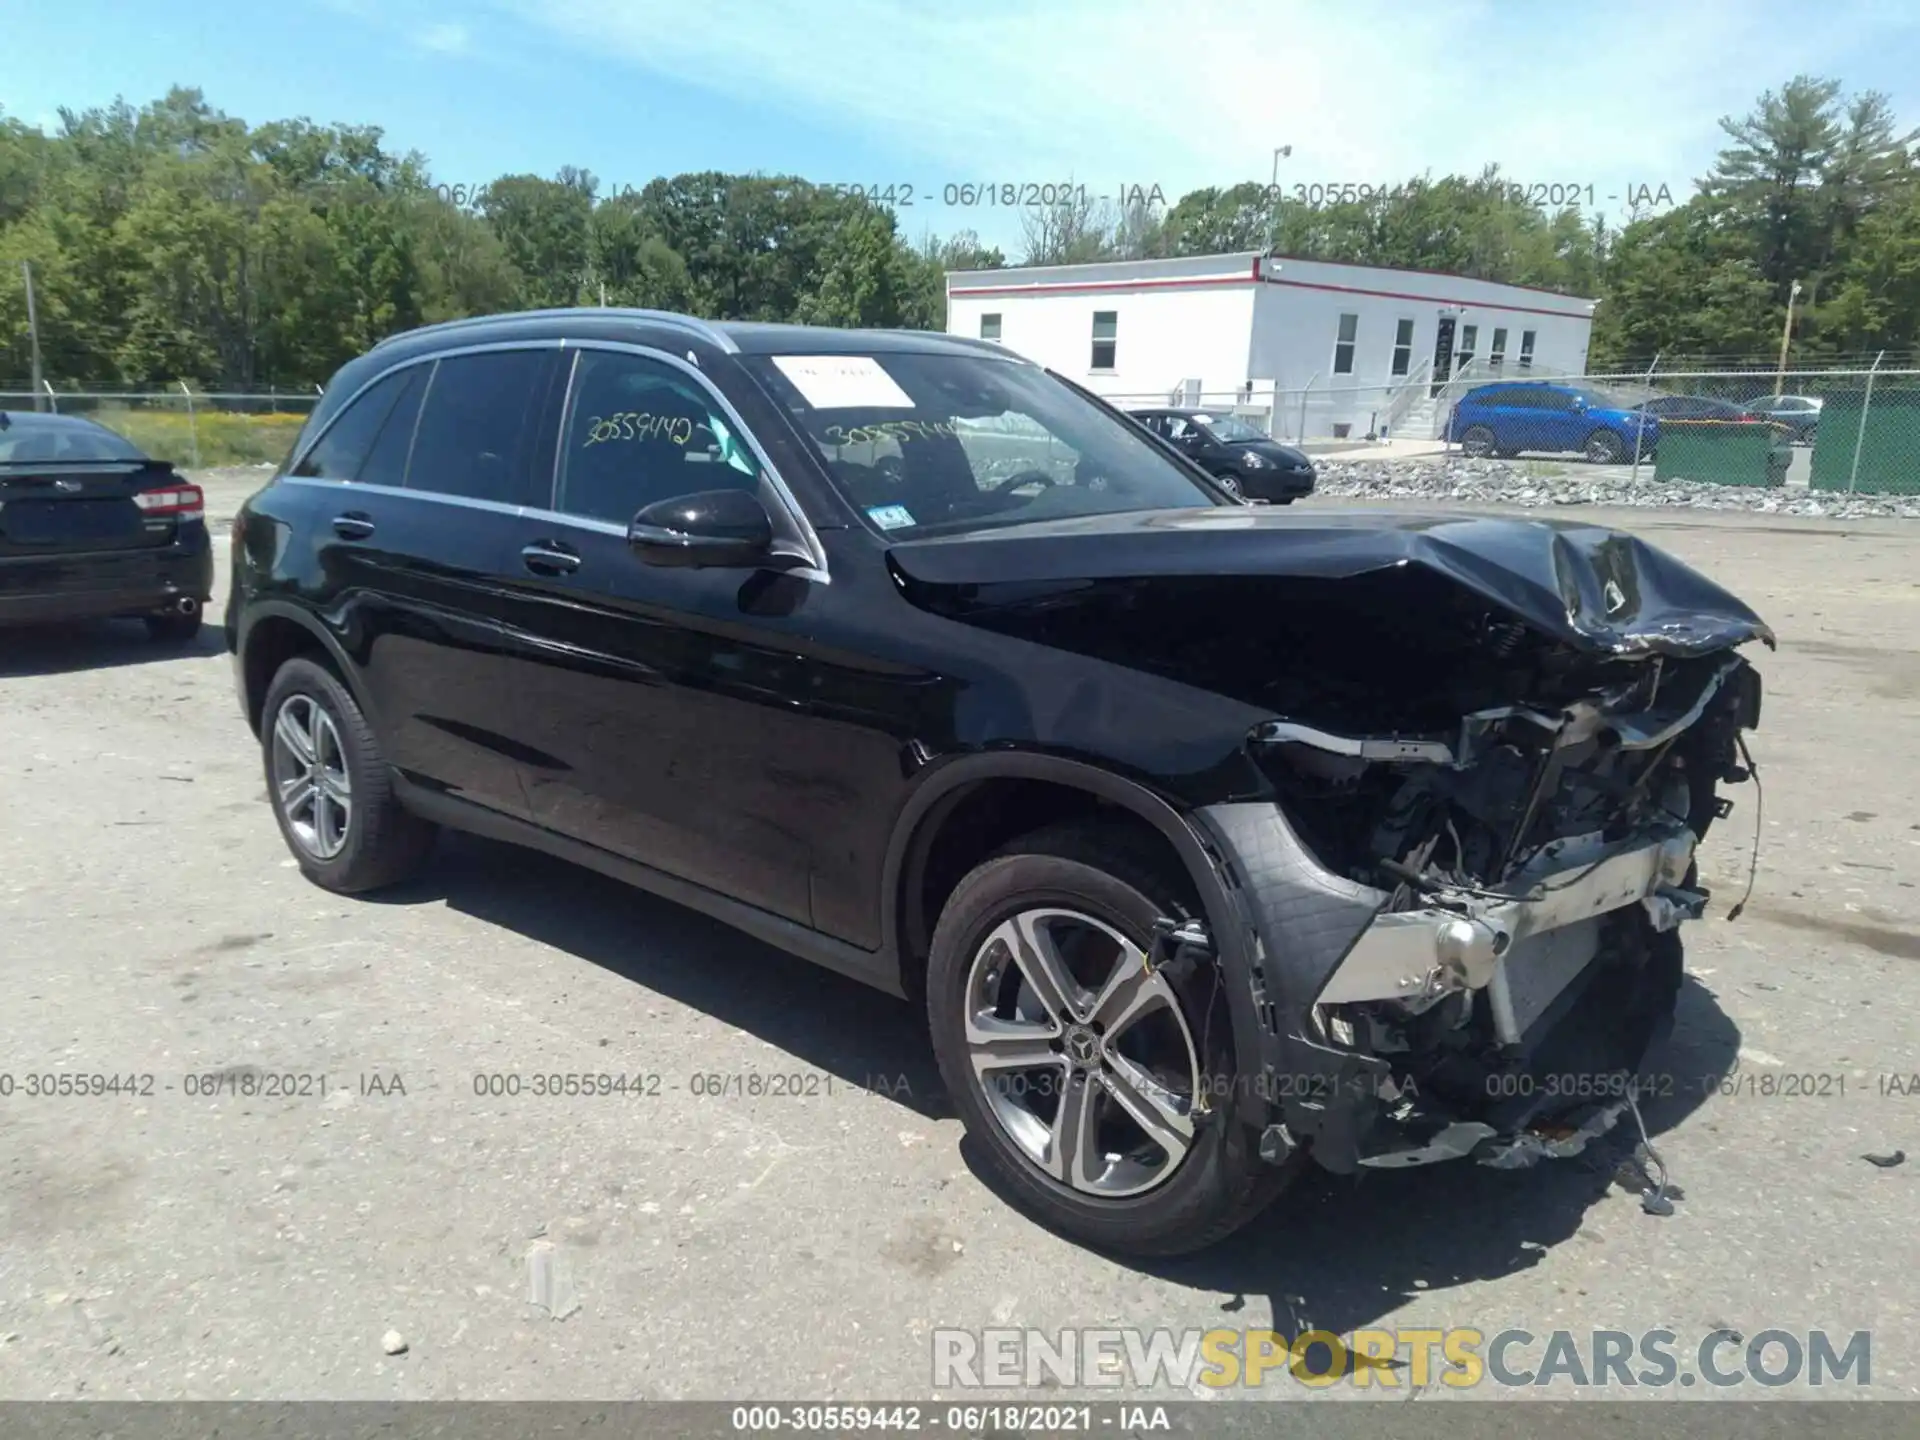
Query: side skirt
(877, 968)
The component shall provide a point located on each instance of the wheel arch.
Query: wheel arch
(274, 634)
(1046, 789)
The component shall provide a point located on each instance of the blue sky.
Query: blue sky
(1107, 93)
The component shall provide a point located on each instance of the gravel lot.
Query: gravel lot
(180, 1246)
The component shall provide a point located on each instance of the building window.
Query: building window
(1106, 338)
(1343, 345)
(1469, 341)
(989, 327)
(1499, 355)
(1403, 347)
(1526, 349)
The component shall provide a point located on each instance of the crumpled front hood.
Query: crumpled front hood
(1592, 588)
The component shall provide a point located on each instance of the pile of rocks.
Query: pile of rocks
(1541, 483)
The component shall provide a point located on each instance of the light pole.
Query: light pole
(33, 332)
(1786, 338)
(1280, 152)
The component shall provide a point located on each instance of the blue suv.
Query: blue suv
(1505, 420)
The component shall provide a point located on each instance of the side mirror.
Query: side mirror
(715, 528)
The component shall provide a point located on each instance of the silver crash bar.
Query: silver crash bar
(1457, 939)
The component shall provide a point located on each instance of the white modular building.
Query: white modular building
(1310, 348)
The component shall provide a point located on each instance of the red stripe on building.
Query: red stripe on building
(1053, 286)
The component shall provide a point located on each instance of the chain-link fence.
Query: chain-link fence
(1854, 429)
(187, 427)
(1849, 430)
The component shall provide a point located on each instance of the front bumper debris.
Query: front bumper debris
(1471, 940)
(1529, 954)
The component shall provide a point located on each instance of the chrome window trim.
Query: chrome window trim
(815, 568)
(301, 456)
(809, 537)
(468, 502)
(518, 512)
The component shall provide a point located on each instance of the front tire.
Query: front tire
(1603, 447)
(330, 787)
(1095, 1085)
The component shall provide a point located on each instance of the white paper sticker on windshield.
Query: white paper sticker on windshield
(890, 517)
(843, 382)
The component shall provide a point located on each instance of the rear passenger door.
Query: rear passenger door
(414, 542)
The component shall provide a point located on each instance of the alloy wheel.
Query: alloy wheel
(1081, 1053)
(310, 779)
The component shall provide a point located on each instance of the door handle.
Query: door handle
(352, 526)
(544, 559)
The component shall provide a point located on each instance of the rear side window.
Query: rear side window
(479, 425)
(386, 462)
(342, 450)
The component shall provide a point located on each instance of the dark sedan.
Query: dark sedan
(91, 527)
(1228, 448)
(1799, 413)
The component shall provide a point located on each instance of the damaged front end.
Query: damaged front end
(1531, 870)
(1451, 885)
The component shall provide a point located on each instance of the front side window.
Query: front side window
(1343, 344)
(932, 443)
(477, 434)
(638, 430)
(1106, 338)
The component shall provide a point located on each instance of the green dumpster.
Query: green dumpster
(1721, 452)
(1889, 443)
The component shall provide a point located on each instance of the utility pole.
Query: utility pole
(1280, 152)
(1786, 338)
(33, 336)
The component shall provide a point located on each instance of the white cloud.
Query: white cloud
(1114, 92)
(448, 39)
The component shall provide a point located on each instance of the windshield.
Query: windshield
(27, 443)
(1230, 429)
(934, 444)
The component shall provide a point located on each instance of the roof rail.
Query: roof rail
(692, 325)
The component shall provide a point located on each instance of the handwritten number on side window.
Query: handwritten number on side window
(641, 425)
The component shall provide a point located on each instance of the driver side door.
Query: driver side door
(658, 705)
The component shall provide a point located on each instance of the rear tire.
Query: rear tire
(1478, 442)
(1094, 885)
(338, 771)
(173, 628)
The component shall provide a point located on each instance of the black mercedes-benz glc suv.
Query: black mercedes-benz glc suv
(1213, 840)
